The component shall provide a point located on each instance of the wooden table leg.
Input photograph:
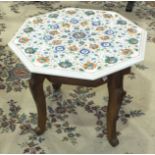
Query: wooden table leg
(36, 86)
(115, 88)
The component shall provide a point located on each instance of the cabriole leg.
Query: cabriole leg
(115, 90)
(36, 87)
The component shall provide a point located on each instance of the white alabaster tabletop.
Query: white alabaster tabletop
(79, 43)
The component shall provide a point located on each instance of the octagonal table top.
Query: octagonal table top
(79, 43)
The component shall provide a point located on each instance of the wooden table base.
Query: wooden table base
(115, 89)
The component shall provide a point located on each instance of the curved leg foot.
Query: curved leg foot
(39, 131)
(114, 142)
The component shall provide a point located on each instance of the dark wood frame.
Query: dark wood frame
(115, 89)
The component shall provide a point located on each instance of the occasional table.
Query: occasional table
(81, 47)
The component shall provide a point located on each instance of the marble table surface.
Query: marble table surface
(79, 43)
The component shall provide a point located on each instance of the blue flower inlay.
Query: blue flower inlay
(109, 32)
(54, 26)
(96, 23)
(74, 21)
(84, 51)
(59, 48)
(47, 37)
(105, 44)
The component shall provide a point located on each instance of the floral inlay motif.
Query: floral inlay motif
(79, 40)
